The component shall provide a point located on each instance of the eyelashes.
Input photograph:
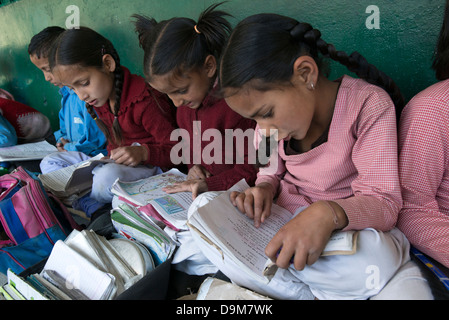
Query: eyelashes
(182, 91)
(267, 115)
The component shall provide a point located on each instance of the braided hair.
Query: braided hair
(86, 48)
(180, 45)
(264, 47)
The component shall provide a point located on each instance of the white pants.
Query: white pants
(188, 257)
(380, 257)
(59, 160)
(104, 174)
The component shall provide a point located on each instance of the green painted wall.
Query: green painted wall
(402, 46)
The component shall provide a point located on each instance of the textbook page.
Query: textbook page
(174, 208)
(225, 227)
(72, 179)
(141, 192)
(235, 234)
(27, 151)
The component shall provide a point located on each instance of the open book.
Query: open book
(234, 235)
(171, 207)
(141, 192)
(74, 179)
(27, 151)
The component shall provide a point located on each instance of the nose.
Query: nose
(48, 77)
(82, 96)
(177, 101)
(269, 131)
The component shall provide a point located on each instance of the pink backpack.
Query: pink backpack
(29, 216)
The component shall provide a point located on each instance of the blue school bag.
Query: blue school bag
(32, 220)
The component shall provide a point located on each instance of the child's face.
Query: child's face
(288, 110)
(188, 90)
(191, 88)
(91, 85)
(43, 65)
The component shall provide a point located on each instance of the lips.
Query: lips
(285, 138)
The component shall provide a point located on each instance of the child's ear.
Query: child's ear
(210, 66)
(305, 71)
(109, 63)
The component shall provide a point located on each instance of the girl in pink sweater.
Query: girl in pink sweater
(424, 160)
(334, 166)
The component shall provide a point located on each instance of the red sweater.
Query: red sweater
(215, 114)
(145, 117)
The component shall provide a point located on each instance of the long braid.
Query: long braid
(118, 75)
(99, 122)
(264, 47)
(355, 62)
(118, 87)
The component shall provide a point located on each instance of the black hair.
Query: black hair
(441, 57)
(86, 48)
(41, 43)
(181, 44)
(264, 47)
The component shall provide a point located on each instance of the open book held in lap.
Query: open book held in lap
(234, 235)
(72, 180)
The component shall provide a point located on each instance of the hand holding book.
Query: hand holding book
(221, 225)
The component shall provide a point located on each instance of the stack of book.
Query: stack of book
(148, 196)
(133, 224)
(85, 266)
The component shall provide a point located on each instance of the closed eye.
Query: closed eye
(268, 114)
(182, 91)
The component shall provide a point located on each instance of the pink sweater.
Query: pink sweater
(424, 171)
(357, 167)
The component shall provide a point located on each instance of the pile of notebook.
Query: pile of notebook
(133, 223)
(85, 266)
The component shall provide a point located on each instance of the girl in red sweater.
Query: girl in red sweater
(181, 60)
(136, 119)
